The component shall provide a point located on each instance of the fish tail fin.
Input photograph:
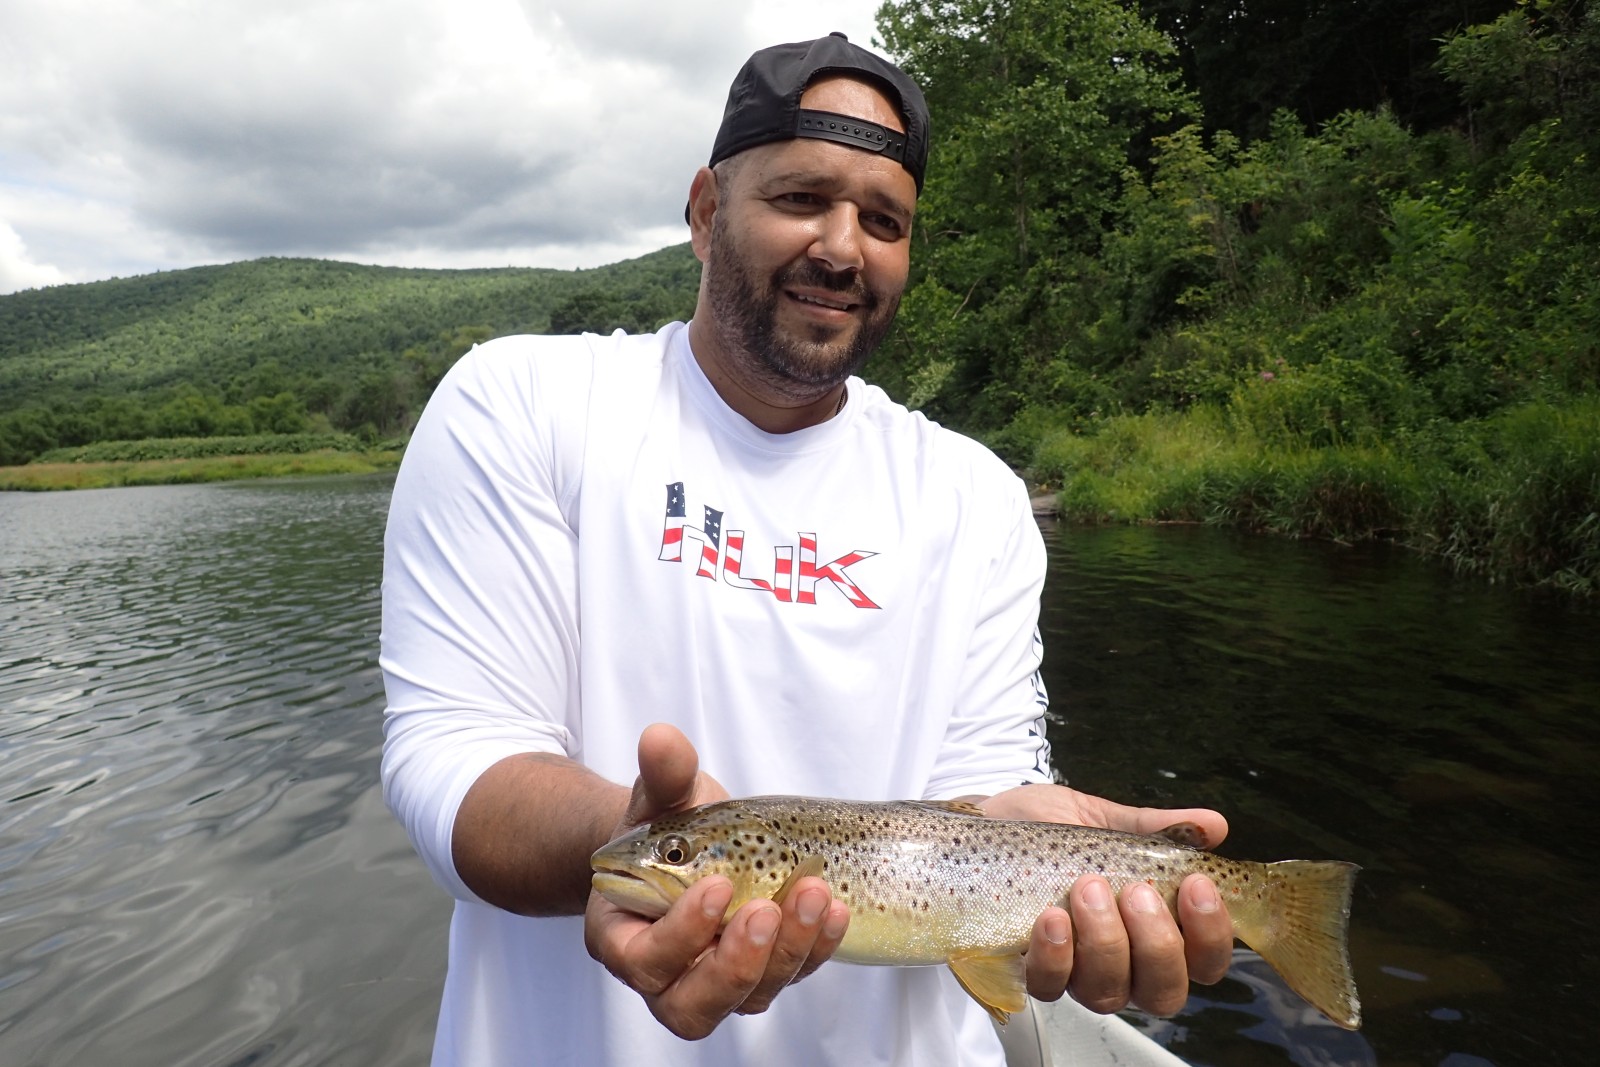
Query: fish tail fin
(1301, 930)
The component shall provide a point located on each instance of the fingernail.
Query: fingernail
(1096, 894)
(1203, 898)
(810, 907)
(838, 920)
(1055, 929)
(715, 902)
(1142, 898)
(763, 926)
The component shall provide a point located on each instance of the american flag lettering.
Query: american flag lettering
(787, 584)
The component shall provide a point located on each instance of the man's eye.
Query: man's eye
(885, 225)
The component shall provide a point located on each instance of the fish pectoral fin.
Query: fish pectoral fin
(958, 807)
(1187, 834)
(811, 865)
(996, 982)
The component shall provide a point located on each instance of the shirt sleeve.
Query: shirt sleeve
(996, 737)
(479, 647)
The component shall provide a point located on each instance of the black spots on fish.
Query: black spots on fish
(924, 905)
(844, 887)
(760, 865)
(955, 842)
(882, 908)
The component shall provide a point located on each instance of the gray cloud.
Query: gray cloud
(424, 132)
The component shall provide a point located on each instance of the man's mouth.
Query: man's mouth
(831, 303)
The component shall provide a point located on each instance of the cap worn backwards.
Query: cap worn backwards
(764, 104)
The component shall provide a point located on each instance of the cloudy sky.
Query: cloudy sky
(144, 135)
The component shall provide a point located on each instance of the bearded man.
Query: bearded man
(615, 560)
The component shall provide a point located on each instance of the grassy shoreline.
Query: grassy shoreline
(43, 477)
(1514, 497)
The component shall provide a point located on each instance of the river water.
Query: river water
(196, 867)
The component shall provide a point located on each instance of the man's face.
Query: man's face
(809, 251)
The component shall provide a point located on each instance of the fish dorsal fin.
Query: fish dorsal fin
(1187, 834)
(996, 982)
(957, 807)
(804, 869)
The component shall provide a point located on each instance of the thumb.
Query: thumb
(668, 768)
(1208, 827)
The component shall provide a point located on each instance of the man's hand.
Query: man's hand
(1112, 952)
(691, 976)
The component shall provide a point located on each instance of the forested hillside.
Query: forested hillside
(285, 345)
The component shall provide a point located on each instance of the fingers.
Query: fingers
(691, 977)
(813, 924)
(1128, 949)
(719, 982)
(1160, 979)
(1100, 973)
(1207, 930)
(1048, 963)
(650, 955)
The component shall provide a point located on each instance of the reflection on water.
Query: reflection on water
(1355, 704)
(191, 840)
(196, 868)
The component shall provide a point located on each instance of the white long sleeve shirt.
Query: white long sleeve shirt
(584, 539)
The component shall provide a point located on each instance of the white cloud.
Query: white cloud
(17, 270)
(168, 133)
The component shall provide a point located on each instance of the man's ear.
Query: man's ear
(703, 197)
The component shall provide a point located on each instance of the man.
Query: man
(718, 527)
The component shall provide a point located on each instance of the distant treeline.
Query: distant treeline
(283, 346)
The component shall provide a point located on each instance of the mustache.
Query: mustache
(846, 283)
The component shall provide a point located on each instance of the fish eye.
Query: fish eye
(674, 850)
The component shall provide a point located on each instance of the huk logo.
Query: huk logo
(789, 583)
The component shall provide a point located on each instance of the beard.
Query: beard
(800, 366)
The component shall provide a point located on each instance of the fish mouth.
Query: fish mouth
(632, 891)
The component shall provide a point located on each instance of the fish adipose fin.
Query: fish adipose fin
(806, 868)
(1307, 913)
(996, 982)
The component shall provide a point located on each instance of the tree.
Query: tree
(1042, 111)
(1250, 58)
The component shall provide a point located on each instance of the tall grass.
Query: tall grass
(1512, 497)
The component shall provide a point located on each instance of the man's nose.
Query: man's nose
(838, 244)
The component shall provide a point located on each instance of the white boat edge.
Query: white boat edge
(1066, 1034)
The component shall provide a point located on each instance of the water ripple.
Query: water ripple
(190, 727)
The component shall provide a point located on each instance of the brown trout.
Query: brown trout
(941, 883)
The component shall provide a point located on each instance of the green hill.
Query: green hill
(279, 344)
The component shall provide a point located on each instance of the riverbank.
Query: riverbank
(38, 477)
(1514, 497)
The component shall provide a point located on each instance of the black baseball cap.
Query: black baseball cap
(764, 103)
